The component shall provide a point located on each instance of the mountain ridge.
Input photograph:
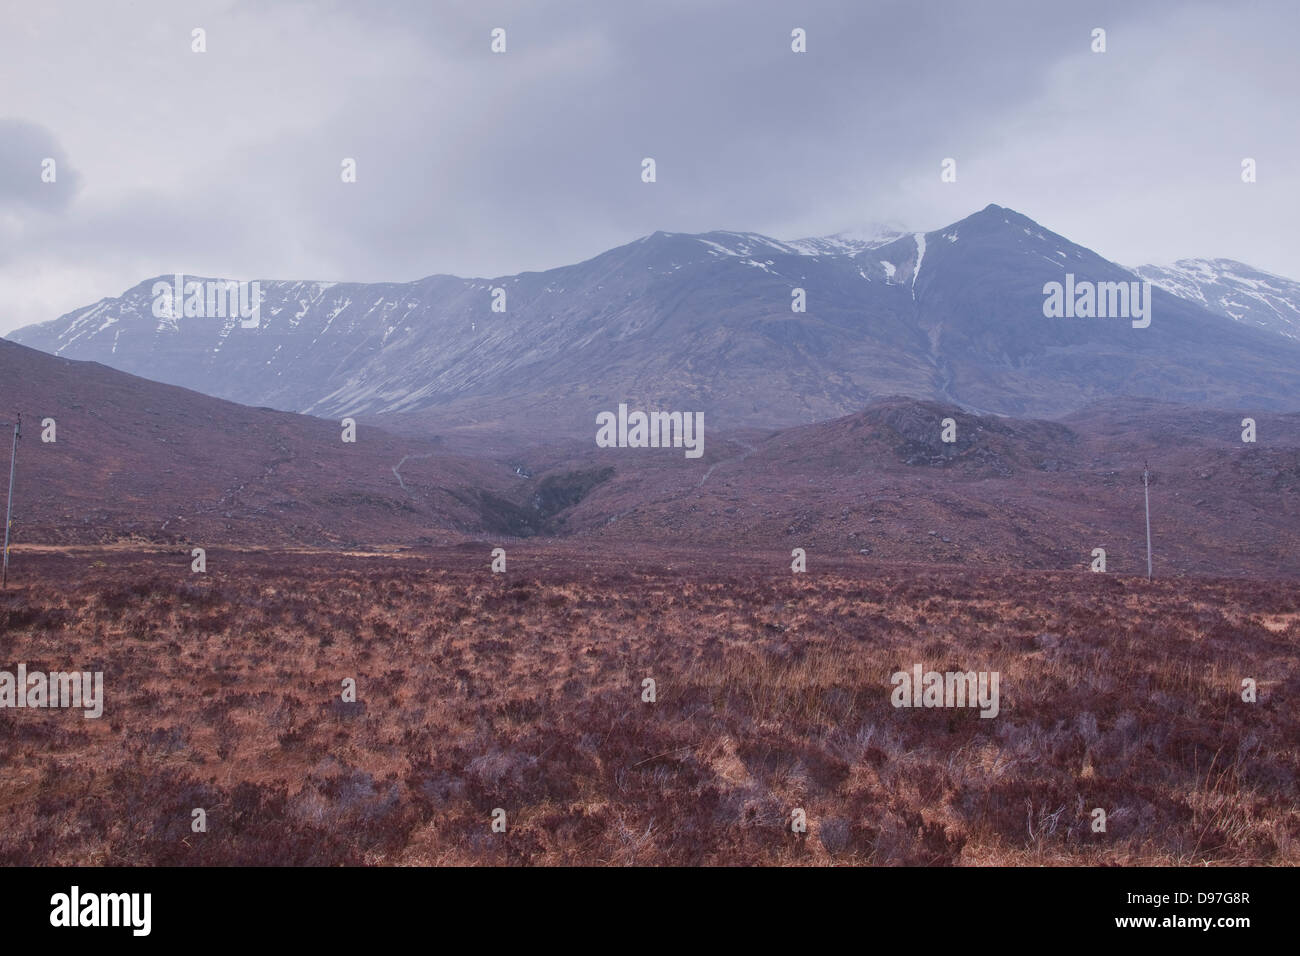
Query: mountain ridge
(702, 320)
(1234, 290)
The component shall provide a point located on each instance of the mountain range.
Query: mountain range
(705, 323)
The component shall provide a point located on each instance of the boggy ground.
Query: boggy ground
(523, 691)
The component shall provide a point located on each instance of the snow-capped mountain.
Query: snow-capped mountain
(1235, 290)
(706, 322)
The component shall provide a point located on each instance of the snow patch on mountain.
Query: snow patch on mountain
(847, 243)
(1234, 290)
(920, 257)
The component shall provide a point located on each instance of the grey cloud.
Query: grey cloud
(480, 164)
(24, 149)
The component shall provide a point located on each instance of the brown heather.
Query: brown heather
(523, 691)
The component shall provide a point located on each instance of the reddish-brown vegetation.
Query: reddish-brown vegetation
(523, 691)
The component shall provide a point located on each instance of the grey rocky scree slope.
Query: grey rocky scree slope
(703, 322)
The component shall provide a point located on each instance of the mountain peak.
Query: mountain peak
(993, 213)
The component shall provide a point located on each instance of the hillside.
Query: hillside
(137, 460)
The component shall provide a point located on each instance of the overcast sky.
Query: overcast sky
(480, 164)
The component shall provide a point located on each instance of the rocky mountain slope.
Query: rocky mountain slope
(1234, 290)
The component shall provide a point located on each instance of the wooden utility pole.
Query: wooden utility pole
(9, 509)
(1146, 493)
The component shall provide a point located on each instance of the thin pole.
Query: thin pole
(1146, 493)
(9, 509)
